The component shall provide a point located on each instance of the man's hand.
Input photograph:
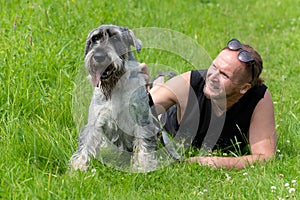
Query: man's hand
(203, 161)
(145, 74)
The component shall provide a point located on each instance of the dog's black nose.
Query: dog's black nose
(100, 56)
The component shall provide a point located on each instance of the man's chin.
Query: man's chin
(213, 94)
(206, 92)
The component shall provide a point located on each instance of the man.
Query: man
(228, 104)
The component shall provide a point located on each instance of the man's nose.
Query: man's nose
(214, 74)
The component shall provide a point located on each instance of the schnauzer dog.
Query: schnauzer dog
(119, 113)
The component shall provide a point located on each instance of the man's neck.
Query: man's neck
(220, 106)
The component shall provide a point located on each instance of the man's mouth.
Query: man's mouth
(213, 86)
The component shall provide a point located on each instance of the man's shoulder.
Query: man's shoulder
(258, 91)
(252, 97)
(200, 73)
(197, 78)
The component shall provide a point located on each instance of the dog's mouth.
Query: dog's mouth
(99, 75)
(107, 72)
(104, 71)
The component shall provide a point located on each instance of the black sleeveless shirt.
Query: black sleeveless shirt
(202, 128)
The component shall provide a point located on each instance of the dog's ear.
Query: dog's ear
(89, 41)
(87, 46)
(129, 36)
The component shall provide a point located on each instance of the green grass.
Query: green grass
(42, 45)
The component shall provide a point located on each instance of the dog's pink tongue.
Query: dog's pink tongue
(96, 79)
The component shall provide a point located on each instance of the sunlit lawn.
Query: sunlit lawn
(42, 45)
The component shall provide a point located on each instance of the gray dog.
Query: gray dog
(119, 114)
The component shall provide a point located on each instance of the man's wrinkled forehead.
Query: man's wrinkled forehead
(228, 56)
(228, 52)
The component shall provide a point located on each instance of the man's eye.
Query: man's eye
(224, 75)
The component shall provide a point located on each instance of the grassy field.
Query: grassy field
(41, 53)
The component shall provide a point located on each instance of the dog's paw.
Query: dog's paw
(79, 162)
(144, 162)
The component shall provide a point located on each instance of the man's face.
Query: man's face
(224, 76)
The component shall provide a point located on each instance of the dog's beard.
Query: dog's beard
(106, 80)
(107, 85)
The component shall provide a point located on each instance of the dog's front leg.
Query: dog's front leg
(90, 139)
(144, 150)
(80, 159)
(91, 136)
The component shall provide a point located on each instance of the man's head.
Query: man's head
(234, 71)
(250, 58)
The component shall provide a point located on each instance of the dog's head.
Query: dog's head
(107, 47)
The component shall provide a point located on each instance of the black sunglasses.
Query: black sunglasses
(243, 56)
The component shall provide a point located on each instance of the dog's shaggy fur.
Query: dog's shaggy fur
(119, 113)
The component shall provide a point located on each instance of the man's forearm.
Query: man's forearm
(227, 162)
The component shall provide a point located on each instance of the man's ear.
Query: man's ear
(245, 88)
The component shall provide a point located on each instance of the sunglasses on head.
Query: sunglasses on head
(243, 56)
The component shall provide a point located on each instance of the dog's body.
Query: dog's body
(119, 113)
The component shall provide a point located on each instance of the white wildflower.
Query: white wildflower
(292, 190)
(273, 187)
(227, 177)
(287, 185)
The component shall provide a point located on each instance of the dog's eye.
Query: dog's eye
(95, 38)
(111, 33)
(113, 36)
